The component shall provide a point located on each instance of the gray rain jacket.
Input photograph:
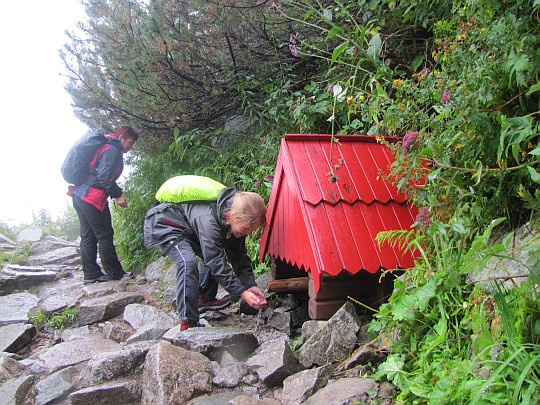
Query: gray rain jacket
(202, 224)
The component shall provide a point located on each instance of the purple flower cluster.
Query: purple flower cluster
(445, 97)
(408, 141)
(423, 218)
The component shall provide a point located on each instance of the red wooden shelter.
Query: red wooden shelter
(326, 228)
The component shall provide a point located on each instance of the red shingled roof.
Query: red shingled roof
(326, 227)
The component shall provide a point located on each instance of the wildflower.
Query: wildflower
(408, 141)
(269, 177)
(292, 43)
(397, 83)
(445, 97)
(258, 184)
(330, 89)
(423, 74)
(361, 98)
(350, 100)
(262, 140)
(423, 218)
(309, 99)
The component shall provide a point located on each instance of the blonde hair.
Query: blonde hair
(248, 209)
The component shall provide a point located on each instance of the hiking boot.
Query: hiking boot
(185, 325)
(213, 305)
(99, 279)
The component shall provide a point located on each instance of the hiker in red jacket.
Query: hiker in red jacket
(91, 203)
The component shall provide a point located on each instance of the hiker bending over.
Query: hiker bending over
(91, 203)
(214, 231)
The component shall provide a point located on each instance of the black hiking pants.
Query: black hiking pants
(97, 230)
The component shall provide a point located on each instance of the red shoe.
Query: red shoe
(212, 305)
(185, 325)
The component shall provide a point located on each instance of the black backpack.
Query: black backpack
(76, 167)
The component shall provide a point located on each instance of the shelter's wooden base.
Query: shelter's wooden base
(367, 288)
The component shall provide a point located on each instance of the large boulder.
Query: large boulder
(212, 342)
(274, 362)
(334, 341)
(173, 375)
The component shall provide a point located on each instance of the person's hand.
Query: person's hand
(257, 292)
(121, 201)
(254, 299)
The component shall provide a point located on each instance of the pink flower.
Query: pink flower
(423, 218)
(445, 97)
(330, 89)
(292, 44)
(408, 141)
(258, 184)
(422, 75)
(269, 177)
(262, 140)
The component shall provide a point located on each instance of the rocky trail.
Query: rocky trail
(118, 342)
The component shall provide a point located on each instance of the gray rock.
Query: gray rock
(274, 362)
(281, 321)
(112, 365)
(169, 295)
(249, 400)
(50, 243)
(103, 308)
(30, 235)
(227, 359)
(138, 316)
(14, 308)
(78, 333)
(217, 399)
(6, 239)
(97, 290)
(117, 393)
(152, 331)
(239, 123)
(14, 392)
(170, 276)
(309, 328)
(58, 303)
(230, 376)
(119, 332)
(517, 255)
(300, 386)
(362, 356)
(212, 342)
(344, 391)
(10, 369)
(15, 336)
(57, 386)
(63, 255)
(74, 352)
(156, 270)
(335, 341)
(173, 375)
(16, 278)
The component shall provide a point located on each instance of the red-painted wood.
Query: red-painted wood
(327, 228)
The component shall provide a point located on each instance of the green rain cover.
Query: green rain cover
(188, 188)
